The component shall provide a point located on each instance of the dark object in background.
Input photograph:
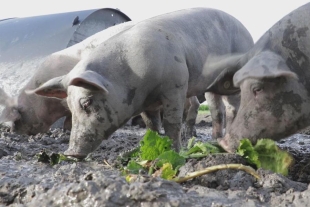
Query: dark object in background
(25, 42)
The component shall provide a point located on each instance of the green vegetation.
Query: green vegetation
(203, 107)
(155, 156)
(54, 158)
(266, 154)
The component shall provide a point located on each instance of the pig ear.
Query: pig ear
(53, 88)
(223, 70)
(57, 87)
(89, 79)
(266, 64)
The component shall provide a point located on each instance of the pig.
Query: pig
(274, 82)
(157, 63)
(31, 114)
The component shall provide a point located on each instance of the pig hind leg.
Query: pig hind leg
(191, 111)
(152, 120)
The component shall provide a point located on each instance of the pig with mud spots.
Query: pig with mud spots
(274, 80)
(156, 63)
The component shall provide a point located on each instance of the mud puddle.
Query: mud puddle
(26, 182)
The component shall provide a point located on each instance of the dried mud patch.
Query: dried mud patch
(26, 182)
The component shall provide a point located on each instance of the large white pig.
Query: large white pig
(156, 63)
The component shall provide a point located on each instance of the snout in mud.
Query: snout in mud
(225, 145)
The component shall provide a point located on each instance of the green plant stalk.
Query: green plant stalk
(192, 175)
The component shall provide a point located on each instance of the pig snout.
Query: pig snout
(228, 144)
(10, 114)
(81, 146)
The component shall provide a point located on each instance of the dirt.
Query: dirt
(26, 182)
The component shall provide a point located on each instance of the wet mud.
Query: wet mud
(26, 182)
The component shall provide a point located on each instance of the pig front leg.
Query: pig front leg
(173, 106)
(216, 110)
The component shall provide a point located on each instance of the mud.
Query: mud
(26, 182)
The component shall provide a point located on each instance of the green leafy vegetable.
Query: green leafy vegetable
(134, 167)
(199, 149)
(247, 151)
(172, 158)
(53, 159)
(152, 145)
(155, 156)
(272, 157)
(167, 171)
(266, 154)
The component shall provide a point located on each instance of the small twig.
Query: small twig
(106, 162)
(192, 175)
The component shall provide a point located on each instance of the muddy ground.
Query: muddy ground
(26, 182)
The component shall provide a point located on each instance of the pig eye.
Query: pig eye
(85, 103)
(257, 89)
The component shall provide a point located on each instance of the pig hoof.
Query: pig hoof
(75, 155)
(224, 145)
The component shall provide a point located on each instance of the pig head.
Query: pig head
(274, 82)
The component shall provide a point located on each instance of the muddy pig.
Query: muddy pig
(274, 79)
(158, 62)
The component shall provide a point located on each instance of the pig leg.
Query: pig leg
(231, 104)
(152, 120)
(191, 116)
(216, 110)
(173, 106)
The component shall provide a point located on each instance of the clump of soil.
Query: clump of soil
(26, 182)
